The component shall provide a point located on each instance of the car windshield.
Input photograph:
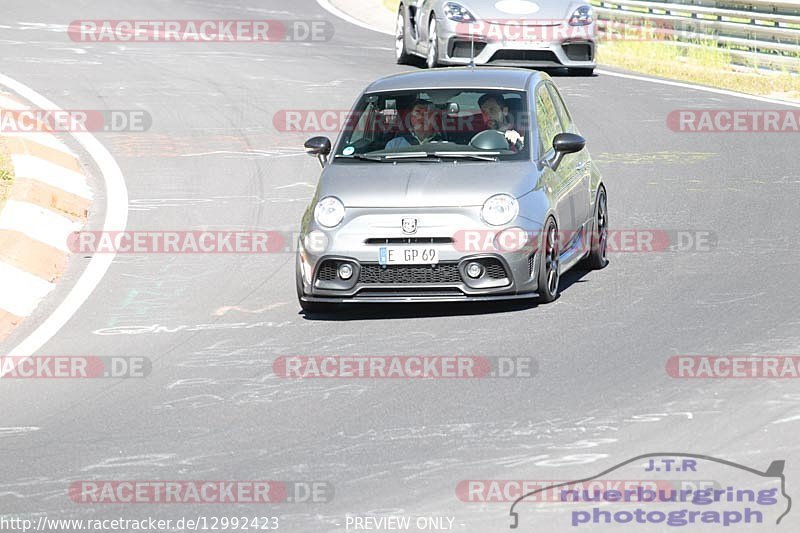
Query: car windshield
(437, 124)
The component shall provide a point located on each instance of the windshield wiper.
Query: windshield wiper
(483, 156)
(364, 157)
(480, 156)
(413, 155)
(408, 155)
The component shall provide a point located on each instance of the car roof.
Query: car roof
(515, 79)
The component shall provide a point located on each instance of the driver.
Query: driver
(495, 113)
(423, 127)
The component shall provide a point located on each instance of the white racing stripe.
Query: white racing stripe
(38, 223)
(22, 291)
(116, 218)
(36, 168)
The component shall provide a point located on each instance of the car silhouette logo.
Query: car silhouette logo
(409, 225)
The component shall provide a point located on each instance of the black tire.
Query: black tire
(548, 276)
(401, 52)
(432, 59)
(598, 252)
(581, 71)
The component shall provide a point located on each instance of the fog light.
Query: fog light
(345, 271)
(474, 270)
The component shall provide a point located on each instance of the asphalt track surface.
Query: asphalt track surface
(212, 409)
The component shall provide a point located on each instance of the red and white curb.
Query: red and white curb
(49, 199)
(115, 219)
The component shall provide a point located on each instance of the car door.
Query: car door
(558, 182)
(580, 162)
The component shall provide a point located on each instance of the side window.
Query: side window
(561, 109)
(546, 118)
(364, 128)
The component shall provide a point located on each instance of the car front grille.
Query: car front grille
(431, 292)
(409, 240)
(525, 56)
(327, 271)
(494, 269)
(578, 51)
(463, 49)
(409, 274)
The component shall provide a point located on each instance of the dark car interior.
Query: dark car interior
(387, 117)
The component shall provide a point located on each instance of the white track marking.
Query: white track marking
(115, 220)
(335, 11)
(11, 104)
(326, 5)
(38, 223)
(686, 85)
(794, 418)
(22, 291)
(36, 168)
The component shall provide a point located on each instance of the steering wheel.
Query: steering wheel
(489, 140)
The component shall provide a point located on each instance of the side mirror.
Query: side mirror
(563, 144)
(320, 147)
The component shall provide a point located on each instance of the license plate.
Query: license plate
(408, 255)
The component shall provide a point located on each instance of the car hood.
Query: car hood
(428, 184)
(532, 12)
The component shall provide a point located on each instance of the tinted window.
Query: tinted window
(547, 119)
(437, 121)
(566, 120)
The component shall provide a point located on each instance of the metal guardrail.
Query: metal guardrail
(763, 33)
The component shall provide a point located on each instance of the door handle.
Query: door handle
(581, 166)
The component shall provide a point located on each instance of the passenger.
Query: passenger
(423, 127)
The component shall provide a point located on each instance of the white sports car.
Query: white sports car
(519, 33)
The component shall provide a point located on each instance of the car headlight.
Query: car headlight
(499, 210)
(329, 212)
(582, 16)
(457, 12)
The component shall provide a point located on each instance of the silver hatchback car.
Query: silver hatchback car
(520, 33)
(451, 185)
